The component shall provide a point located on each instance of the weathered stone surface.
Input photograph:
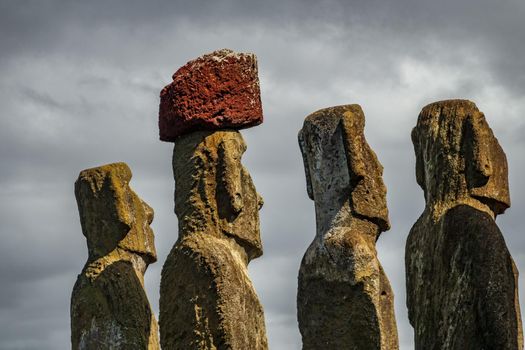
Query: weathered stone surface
(462, 287)
(216, 91)
(207, 300)
(109, 307)
(344, 298)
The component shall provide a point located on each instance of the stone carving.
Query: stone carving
(344, 297)
(207, 300)
(462, 287)
(109, 307)
(215, 91)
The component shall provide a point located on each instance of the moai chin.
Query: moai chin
(109, 306)
(462, 287)
(207, 300)
(344, 298)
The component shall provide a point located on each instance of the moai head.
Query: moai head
(340, 166)
(214, 191)
(111, 214)
(458, 156)
(209, 99)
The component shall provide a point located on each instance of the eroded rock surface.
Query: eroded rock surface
(344, 297)
(462, 286)
(215, 91)
(109, 307)
(207, 300)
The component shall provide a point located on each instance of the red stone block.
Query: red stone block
(219, 90)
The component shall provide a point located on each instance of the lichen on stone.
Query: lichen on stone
(109, 307)
(344, 298)
(461, 279)
(207, 300)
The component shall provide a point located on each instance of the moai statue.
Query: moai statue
(344, 298)
(462, 286)
(109, 307)
(207, 300)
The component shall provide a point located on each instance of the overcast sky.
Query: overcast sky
(79, 88)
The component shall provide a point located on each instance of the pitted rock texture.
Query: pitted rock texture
(207, 300)
(344, 298)
(462, 284)
(109, 307)
(219, 90)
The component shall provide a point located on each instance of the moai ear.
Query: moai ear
(368, 190)
(476, 148)
(229, 184)
(420, 168)
(352, 126)
(302, 146)
(485, 164)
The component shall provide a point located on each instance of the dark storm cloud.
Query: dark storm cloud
(79, 88)
(496, 29)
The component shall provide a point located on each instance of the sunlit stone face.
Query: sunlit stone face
(111, 213)
(343, 173)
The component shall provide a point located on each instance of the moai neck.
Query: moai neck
(94, 267)
(335, 217)
(437, 207)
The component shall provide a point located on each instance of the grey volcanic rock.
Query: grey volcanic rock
(462, 284)
(344, 298)
(207, 300)
(109, 307)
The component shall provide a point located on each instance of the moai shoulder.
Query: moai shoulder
(461, 279)
(109, 306)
